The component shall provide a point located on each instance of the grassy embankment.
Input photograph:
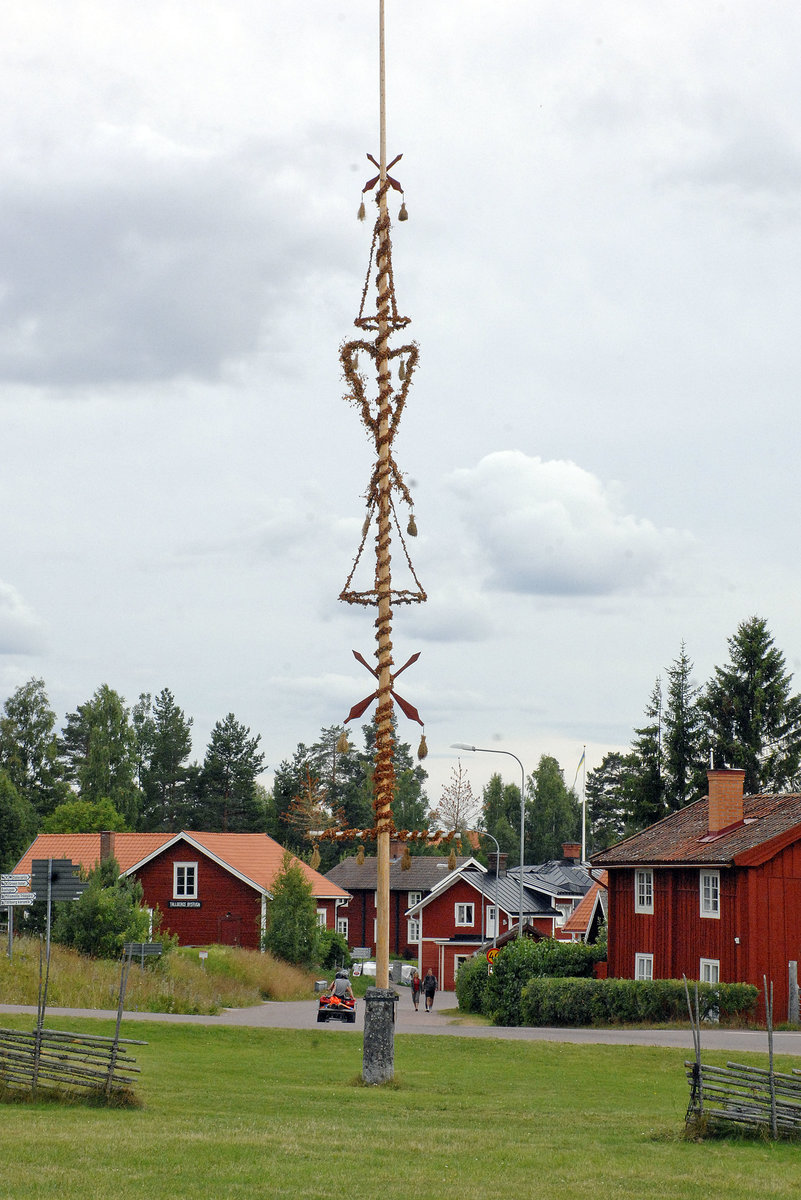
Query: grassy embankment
(179, 983)
(275, 1113)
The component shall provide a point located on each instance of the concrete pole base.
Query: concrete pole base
(378, 1062)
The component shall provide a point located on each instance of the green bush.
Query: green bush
(524, 959)
(471, 984)
(332, 950)
(581, 1002)
(107, 914)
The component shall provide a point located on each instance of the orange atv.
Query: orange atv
(336, 1008)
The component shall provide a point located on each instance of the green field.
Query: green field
(231, 1112)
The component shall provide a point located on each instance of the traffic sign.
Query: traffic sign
(13, 881)
(60, 874)
(492, 954)
(18, 899)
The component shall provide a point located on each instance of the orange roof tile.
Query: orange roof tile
(579, 919)
(254, 856)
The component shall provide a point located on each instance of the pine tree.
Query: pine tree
(609, 799)
(752, 719)
(683, 755)
(647, 794)
(165, 772)
(228, 800)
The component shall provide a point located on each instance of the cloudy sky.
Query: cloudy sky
(602, 270)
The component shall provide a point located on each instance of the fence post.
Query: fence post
(792, 1001)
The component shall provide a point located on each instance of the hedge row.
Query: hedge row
(550, 983)
(629, 1001)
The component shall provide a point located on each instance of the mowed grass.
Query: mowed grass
(275, 1113)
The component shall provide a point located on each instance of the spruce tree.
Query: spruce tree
(683, 754)
(752, 718)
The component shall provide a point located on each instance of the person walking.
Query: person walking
(429, 989)
(416, 986)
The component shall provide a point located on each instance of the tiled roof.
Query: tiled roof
(424, 874)
(254, 856)
(579, 919)
(771, 821)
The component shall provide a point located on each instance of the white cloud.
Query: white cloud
(20, 628)
(553, 529)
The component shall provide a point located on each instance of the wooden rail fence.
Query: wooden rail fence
(66, 1062)
(764, 1101)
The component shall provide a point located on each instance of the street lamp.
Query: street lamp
(485, 833)
(485, 750)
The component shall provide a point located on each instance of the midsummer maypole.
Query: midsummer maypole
(380, 416)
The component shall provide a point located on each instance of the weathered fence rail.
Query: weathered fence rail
(66, 1062)
(762, 1100)
(745, 1095)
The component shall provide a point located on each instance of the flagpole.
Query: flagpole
(584, 807)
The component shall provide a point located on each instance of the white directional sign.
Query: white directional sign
(18, 899)
(10, 893)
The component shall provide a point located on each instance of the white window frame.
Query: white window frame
(464, 914)
(709, 970)
(414, 898)
(342, 927)
(184, 881)
(413, 931)
(322, 918)
(491, 921)
(643, 966)
(458, 959)
(709, 894)
(643, 890)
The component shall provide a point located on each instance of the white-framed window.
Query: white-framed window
(465, 914)
(184, 881)
(710, 970)
(643, 966)
(644, 890)
(414, 898)
(458, 959)
(491, 921)
(342, 927)
(412, 930)
(322, 918)
(710, 893)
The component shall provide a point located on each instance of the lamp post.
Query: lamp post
(497, 869)
(485, 750)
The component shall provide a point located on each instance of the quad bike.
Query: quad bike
(336, 1008)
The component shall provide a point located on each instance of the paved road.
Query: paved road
(445, 1021)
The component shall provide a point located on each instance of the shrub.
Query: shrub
(106, 915)
(471, 984)
(524, 959)
(293, 932)
(580, 1002)
(332, 950)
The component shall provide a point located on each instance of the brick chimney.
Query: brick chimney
(571, 851)
(725, 798)
(497, 864)
(106, 845)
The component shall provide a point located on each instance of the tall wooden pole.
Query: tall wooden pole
(383, 778)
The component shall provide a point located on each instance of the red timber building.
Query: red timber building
(209, 887)
(712, 891)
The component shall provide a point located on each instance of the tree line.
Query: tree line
(115, 767)
(746, 716)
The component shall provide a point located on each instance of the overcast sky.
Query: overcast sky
(602, 267)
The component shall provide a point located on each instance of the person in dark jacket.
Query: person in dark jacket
(429, 989)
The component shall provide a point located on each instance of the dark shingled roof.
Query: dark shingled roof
(770, 822)
(424, 874)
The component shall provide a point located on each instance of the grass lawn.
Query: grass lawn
(275, 1113)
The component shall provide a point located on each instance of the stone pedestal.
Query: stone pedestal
(378, 1062)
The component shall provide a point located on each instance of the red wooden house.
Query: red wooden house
(356, 920)
(209, 887)
(471, 906)
(712, 892)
